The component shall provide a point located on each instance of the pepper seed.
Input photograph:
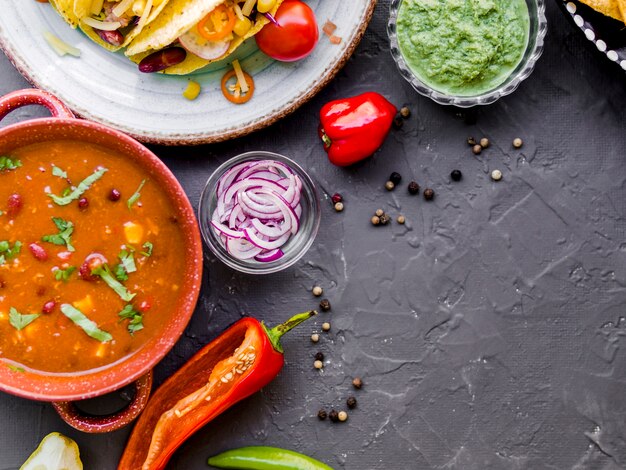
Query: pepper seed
(322, 415)
(351, 402)
(471, 141)
(339, 206)
(343, 416)
(398, 121)
(401, 219)
(318, 364)
(326, 326)
(517, 142)
(375, 220)
(414, 188)
(429, 194)
(379, 212)
(325, 305)
(319, 356)
(395, 178)
(334, 416)
(389, 185)
(477, 149)
(315, 337)
(496, 175)
(405, 112)
(336, 198)
(456, 175)
(384, 219)
(357, 383)
(317, 291)
(484, 142)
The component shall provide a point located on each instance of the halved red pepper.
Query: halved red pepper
(238, 363)
(354, 128)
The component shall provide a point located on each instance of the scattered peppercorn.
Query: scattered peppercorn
(325, 305)
(357, 383)
(429, 194)
(471, 141)
(339, 206)
(398, 121)
(334, 416)
(496, 175)
(336, 198)
(484, 142)
(384, 219)
(517, 142)
(318, 364)
(375, 220)
(405, 112)
(315, 337)
(351, 402)
(114, 195)
(456, 175)
(414, 188)
(389, 185)
(343, 416)
(395, 178)
(379, 212)
(401, 219)
(322, 415)
(317, 291)
(477, 149)
(83, 203)
(326, 326)
(319, 356)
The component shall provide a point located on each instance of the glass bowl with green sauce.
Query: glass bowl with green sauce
(466, 53)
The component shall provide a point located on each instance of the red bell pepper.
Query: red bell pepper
(238, 363)
(354, 128)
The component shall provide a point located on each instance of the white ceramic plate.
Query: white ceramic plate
(107, 88)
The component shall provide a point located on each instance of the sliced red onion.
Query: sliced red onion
(258, 209)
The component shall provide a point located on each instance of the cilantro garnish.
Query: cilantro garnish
(148, 247)
(66, 228)
(136, 318)
(16, 368)
(56, 171)
(8, 252)
(126, 266)
(105, 274)
(7, 163)
(20, 321)
(136, 195)
(64, 274)
(89, 326)
(78, 191)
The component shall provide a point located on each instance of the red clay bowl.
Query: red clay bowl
(82, 385)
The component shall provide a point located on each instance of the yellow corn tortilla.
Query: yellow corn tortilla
(193, 62)
(606, 7)
(622, 8)
(65, 8)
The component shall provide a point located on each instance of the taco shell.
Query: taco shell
(193, 62)
(606, 7)
(65, 8)
(622, 8)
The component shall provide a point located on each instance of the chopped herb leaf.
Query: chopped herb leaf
(120, 273)
(6, 252)
(66, 228)
(20, 321)
(128, 260)
(16, 368)
(4, 246)
(148, 247)
(2, 260)
(136, 318)
(66, 192)
(64, 274)
(56, 171)
(89, 326)
(137, 194)
(80, 189)
(105, 274)
(7, 163)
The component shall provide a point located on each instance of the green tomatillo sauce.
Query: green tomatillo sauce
(463, 47)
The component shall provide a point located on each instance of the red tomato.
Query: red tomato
(295, 37)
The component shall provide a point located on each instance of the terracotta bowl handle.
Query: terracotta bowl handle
(17, 99)
(100, 424)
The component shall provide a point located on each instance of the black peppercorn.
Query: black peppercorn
(319, 356)
(336, 198)
(351, 402)
(429, 194)
(395, 178)
(398, 121)
(325, 305)
(322, 415)
(471, 141)
(414, 188)
(357, 383)
(456, 175)
(384, 219)
(334, 416)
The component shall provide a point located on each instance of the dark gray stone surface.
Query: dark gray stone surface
(490, 330)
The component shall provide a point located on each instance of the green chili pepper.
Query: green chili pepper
(265, 458)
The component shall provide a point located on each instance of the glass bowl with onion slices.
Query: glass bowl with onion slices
(259, 212)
